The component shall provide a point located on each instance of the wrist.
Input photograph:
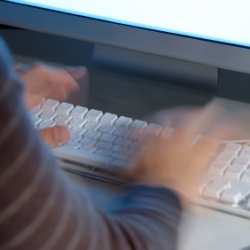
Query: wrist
(158, 192)
(182, 192)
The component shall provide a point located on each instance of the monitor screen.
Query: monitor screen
(218, 20)
(212, 33)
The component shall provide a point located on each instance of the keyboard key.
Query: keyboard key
(46, 124)
(41, 103)
(219, 149)
(117, 166)
(107, 129)
(118, 148)
(65, 124)
(225, 157)
(78, 131)
(206, 179)
(242, 162)
(92, 125)
(122, 141)
(50, 105)
(136, 135)
(225, 183)
(232, 148)
(122, 132)
(102, 151)
(245, 152)
(108, 119)
(246, 177)
(103, 144)
(64, 108)
(123, 122)
(213, 190)
(75, 137)
(234, 172)
(36, 111)
(63, 118)
(107, 138)
(77, 122)
(88, 148)
(153, 128)
(248, 203)
(218, 168)
(82, 157)
(73, 144)
(195, 139)
(92, 134)
(78, 112)
(132, 152)
(119, 156)
(48, 115)
(93, 115)
(167, 131)
(235, 194)
(137, 124)
(36, 120)
(88, 141)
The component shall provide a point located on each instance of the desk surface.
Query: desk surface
(201, 228)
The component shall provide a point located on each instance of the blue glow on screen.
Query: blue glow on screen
(217, 20)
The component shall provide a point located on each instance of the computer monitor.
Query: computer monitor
(212, 32)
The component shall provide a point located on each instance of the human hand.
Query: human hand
(170, 161)
(55, 136)
(44, 82)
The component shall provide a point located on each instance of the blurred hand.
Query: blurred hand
(55, 136)
(44, 82)
(170, 161)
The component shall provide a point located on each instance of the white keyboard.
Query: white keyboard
(102, 145)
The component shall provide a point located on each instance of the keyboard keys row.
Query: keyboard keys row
(232, 172)
(67, 114)
(93, 159)
(117, 145)
(232, 162)
(237, 150)
(80, 126)
(52, 106)
(224, 190)
(105, 144)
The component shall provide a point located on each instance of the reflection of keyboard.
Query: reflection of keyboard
(102, 145)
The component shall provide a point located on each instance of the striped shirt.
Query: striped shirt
(41, 209)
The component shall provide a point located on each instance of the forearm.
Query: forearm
(149, 218)
(39, 209)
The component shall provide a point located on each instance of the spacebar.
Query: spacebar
(82, 157)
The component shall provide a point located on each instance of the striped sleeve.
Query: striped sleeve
(39, 207)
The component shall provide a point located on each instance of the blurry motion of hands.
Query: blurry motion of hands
(170, 161)
(43, 82)
(166, 160)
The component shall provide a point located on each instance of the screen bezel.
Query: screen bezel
(216, 54)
